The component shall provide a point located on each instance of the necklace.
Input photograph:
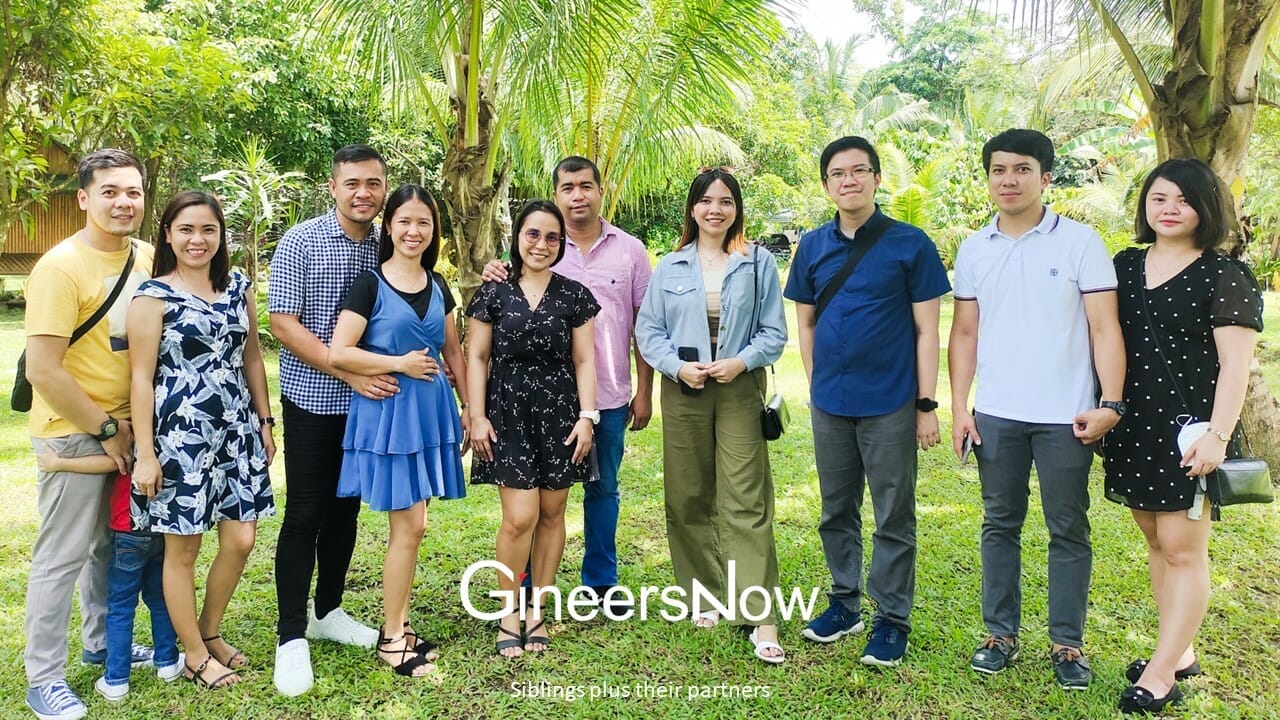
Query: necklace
(533, 295)
(1164, 268)
(710, 263)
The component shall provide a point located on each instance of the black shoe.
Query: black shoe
(1136, 700)
(1071, 669)
(1136, 668)
(994, 655)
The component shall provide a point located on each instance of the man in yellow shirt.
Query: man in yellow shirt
(80, 407)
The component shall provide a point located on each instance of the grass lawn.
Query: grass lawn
(649, 660)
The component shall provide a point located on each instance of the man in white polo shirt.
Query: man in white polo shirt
(1035, 318)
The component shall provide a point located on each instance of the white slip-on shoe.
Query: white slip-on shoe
(293, 674)
(113, 693)
(169, 673)
(338, 626)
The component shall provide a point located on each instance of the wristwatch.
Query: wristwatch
(1117, 405)
(268, 420)
(109, 428)
(926, 404)
(592, 415)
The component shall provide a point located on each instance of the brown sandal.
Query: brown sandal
(230, 662)
(197, 675)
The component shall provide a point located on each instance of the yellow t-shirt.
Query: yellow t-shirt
(66, 287)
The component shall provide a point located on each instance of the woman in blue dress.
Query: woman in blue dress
(401, 451)
(201, 423)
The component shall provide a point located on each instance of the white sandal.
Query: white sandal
(762, 645)
(708, 619)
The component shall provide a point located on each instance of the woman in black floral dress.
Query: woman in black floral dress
(1190, 316)
(532, 380)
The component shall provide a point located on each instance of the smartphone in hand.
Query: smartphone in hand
(966, 449)
(687, 354)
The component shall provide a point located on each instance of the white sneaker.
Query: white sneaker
(293, 674)
(169, 673)
(340, 628)
(113, 693)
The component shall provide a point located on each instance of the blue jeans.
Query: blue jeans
(136, 566)
(601, 501)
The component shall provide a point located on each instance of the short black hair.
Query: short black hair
(573, 164)
(104, 159)
(402, 195)
(1203, 190)
(1020, 141)
(531, 207)
(848, 142)
(165, 261)
(356, 154)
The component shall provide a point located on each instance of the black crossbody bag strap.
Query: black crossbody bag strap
(861, 247)
(755, 307)
(111, 299)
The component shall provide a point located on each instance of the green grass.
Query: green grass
(1238, 645)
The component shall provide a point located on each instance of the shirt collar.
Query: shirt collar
(1047, 224)
(333, 229)
(606, 231)
(835, 225)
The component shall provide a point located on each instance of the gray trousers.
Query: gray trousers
(1004, 468)
(879, 452)
(72, 546)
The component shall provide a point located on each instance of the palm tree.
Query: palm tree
(515, 84)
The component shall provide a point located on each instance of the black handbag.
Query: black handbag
(1236, 481)
(774, 416)
(20, 399)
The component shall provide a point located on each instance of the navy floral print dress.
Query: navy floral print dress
(206, 431)
(532, 393)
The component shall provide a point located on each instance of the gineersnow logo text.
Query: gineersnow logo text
(623, 603)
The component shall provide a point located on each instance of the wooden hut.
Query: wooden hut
(52, 223)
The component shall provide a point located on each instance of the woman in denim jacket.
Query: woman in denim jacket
(710, 322)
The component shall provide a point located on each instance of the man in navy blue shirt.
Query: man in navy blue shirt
(871, 355)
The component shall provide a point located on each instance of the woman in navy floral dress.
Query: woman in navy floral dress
(202, 423)
(533, 407)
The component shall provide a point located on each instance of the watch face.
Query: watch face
(109, 429)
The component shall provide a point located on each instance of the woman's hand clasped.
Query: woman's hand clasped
(727, 370)
(582, 433)
(693, 374)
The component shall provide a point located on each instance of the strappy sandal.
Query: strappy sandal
(421, 644)
(531, 638)
(516, 640)
(230, 662)
(406, 667)
(197, 675)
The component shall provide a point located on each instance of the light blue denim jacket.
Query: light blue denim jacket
(674, 311)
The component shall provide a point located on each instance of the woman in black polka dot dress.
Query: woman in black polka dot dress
(1188, 351)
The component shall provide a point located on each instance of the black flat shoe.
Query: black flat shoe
(1137, 700)
(1136, 668)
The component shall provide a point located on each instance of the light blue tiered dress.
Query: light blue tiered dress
(405, 448)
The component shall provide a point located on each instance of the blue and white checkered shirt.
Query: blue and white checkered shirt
(314, 266)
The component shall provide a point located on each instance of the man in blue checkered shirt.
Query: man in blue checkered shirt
(314, 266)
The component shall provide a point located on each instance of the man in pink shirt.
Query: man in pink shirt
(615, 267)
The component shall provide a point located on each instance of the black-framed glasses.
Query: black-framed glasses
(857, 172)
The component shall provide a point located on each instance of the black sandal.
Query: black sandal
(197, 675)
(421, 644)
(516, 641)
(542, 639)
(407, 666)
(229, 662)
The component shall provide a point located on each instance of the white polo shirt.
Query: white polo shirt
(1034, 359)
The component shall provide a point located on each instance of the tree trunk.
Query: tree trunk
(475, 198)
(1205, 108)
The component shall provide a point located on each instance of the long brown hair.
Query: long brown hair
(735, 240)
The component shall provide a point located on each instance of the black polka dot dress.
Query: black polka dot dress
(1141, 453)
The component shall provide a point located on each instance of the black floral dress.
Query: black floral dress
(1141, 453)
(532, 394)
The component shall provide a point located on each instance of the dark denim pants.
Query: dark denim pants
(601, 501)
(136, 567)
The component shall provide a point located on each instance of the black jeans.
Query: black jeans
(319, 529)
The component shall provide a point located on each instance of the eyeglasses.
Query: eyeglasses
(533, 235)
(857, 172)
